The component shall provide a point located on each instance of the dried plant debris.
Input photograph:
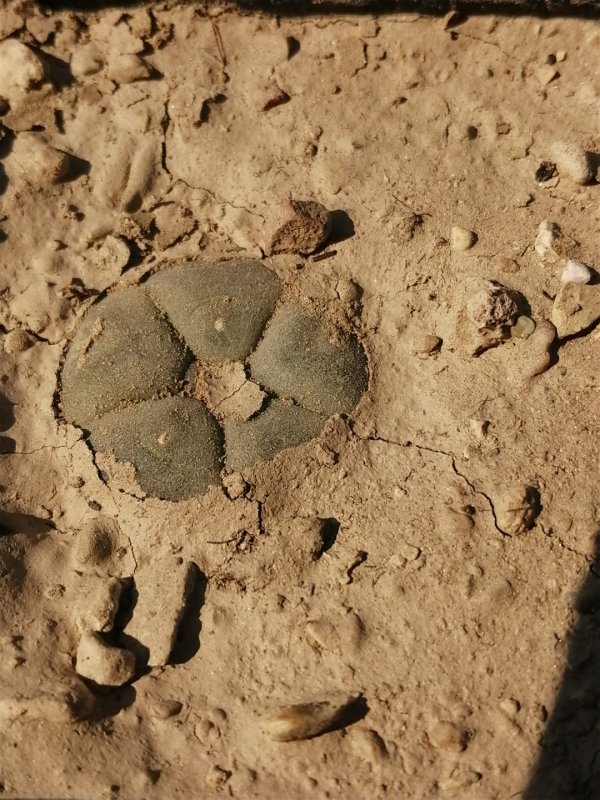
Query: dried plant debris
(127, 377)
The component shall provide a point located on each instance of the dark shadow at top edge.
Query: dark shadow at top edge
(295, 8)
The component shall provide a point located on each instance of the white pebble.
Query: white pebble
(20, 68)
(548, 233)
(573, 161)
(575, 272)
(462, 239)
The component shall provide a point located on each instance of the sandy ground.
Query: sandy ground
(460, 498)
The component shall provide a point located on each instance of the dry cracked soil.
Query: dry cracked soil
(421, 574)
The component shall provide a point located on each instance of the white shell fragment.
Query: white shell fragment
(575, 272)
(305, 720)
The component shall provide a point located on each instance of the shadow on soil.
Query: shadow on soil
(568, 766)
(293, 8)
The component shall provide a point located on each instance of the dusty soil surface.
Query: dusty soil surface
(427, 552)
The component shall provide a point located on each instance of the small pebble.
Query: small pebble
(369, 745)
(301, 227)
(547, 233)
(128, 68)
(102, 663)
(455, 522)
(97, 609)
(348, 291)
(575, 272)
(460, 779)
(552, 245)
(273, 96)
(492, 310)
(37, 161)
(409, 552)
(305, 720)
(546, 74)
(21, 69)
(203, 729)
(576, 307)
(479, 428)
(462, 239)
(425, 344)
(523, 328)
(510, 706)
(448, 736)
(540, 347)
(573, 161)
(164, 709)
(516, 509)
(17, 341)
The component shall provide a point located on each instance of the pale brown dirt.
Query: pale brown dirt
(423, 604)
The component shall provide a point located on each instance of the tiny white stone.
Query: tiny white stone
(575, 272)
(547, 233)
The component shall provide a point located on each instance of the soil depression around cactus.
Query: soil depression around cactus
(129, 376)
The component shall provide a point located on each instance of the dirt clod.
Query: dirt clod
(300, 226)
